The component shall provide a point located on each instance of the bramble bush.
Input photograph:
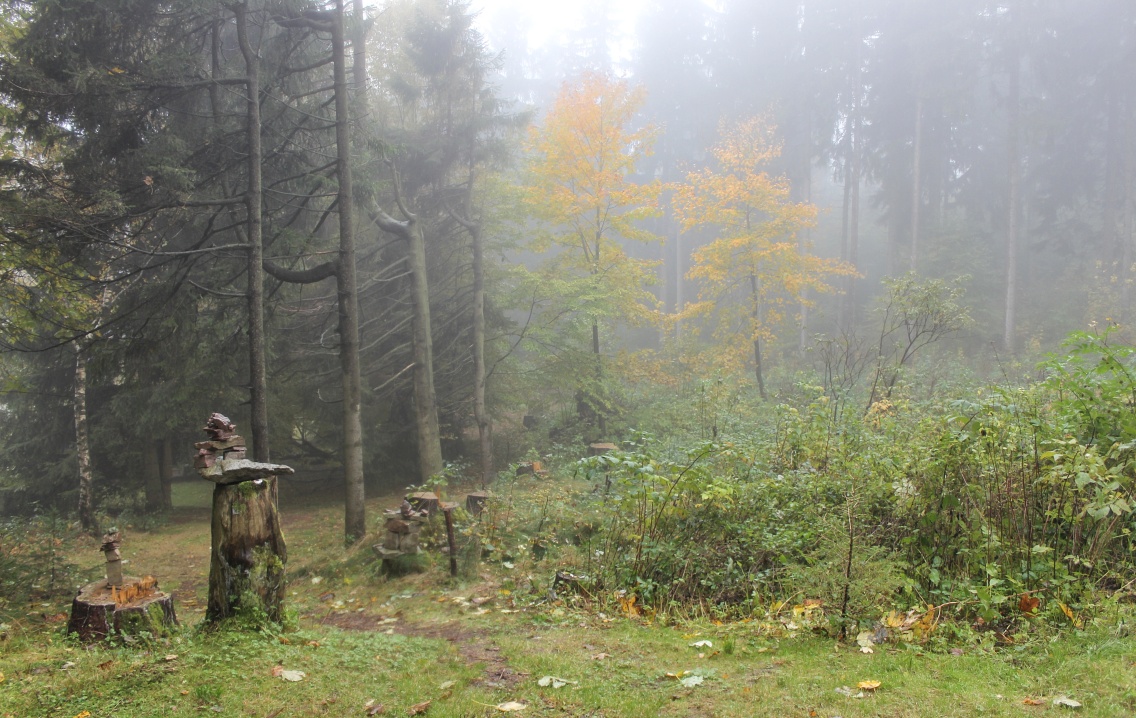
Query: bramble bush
(975, 501)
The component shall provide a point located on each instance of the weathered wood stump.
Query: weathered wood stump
(475, 502)
(534, 468)
(135, 607)
(424, 501)
(248, 557)
(602, 447)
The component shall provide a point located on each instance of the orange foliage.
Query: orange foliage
(578, 184)
(758, 267)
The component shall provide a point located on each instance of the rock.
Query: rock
(234, 471)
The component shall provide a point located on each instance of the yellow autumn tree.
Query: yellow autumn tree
(584, 204)
(757, 268)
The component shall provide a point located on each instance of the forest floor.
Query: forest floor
(425, 644)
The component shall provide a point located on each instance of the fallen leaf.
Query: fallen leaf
(868, 685)
(293, 676)
(1034, 702)
(317, 579)
(691, 681)
(1077, 623)
(600, 656)
(170, 657)
(375, 708)
(1066, 702)
(553, 681)
(276, 671)
(702, 644)
(1028, 604)
(447, 685)
(419, 708)
(185, 693)
(510, 706)
(84, 714)
(68, 665)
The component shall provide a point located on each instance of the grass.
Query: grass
(364, 640)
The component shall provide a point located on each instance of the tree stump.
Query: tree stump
(475, 502)
(600, 448)
(136, 607)
(246, 566)
(424, 501)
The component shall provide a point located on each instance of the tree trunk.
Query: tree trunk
(1014, 208)
(248, 555)
(354, 518)
(254, 227)
(166, 472)
(152, 474)
(82, 443)
(758, 369)
(425, 401)
(916, 177)
(481, 415)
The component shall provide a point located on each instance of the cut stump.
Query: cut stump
(600, 448)
(246, 566)
(424, 501)
(141, 607)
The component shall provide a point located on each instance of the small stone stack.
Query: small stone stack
(111, 542)
(403, 526)
(222, 459)
(223, 443)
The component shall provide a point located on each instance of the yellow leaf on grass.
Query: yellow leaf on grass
(868, 685)
(510, 706)
(1077, 623)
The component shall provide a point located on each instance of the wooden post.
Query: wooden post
(448, 511)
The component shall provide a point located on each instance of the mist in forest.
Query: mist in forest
(381, 234)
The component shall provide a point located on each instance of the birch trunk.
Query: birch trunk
(82, 443)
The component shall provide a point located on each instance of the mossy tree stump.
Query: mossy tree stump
(248, 555)
(134, 608)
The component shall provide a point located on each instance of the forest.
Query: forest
(677, 357)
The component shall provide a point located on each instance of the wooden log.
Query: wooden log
(448, 510)
(95, 612)
(246, 567)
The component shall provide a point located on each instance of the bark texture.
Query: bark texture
(248, 558)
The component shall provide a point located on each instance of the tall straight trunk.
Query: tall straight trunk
(854, 200)
(846, 204)
(354, 516)
(83, 443)
(755, 289)
(916, 177)
(359, 58)
(1014, 204)
(425, 399)
(254, 227)
(166, 472)
(481, 415)
(1128, 215)
(151, 474)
